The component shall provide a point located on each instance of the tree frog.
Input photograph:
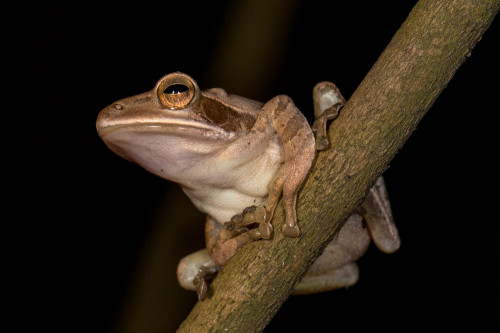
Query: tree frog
(234, 158)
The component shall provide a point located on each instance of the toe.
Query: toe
(291, 230)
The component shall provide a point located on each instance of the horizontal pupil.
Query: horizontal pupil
(175, 89)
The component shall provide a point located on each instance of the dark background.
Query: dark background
(94, 240)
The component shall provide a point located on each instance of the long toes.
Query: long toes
(290, 230)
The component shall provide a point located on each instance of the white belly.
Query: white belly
(231, 190)
(221, 205)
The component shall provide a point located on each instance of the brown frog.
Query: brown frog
(234, 158)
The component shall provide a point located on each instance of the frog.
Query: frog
(235, 158)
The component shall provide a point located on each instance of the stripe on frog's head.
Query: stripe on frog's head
(228, 117)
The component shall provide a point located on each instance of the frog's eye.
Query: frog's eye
(176, 90)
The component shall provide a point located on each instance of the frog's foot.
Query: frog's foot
(327, 103)
(195, 272)
(247, 220)
(206, 273)
(322, 141)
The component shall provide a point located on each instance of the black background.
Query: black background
(85, 219)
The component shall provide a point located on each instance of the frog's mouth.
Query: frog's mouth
(181, 127)
(167, 126)
(139, 141)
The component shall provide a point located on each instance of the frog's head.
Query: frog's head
(173, 124)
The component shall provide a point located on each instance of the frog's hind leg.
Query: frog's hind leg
(376, 210)
(336, 268)
(224, 241)
(195, 271)
(342, 277)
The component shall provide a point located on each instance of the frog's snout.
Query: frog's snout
(104, 117)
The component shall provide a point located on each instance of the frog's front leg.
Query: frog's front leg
(280, 116)
(327, 101)
(298, 143)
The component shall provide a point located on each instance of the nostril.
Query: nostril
(118, 106)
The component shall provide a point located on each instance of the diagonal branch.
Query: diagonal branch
(415, 67)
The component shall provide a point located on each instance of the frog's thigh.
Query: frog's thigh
(335, 267)
(189, 266)
(342, 277)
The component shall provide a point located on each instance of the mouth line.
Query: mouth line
(172, 126)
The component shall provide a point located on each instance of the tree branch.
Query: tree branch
(415, 67)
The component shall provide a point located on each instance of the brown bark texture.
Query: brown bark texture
(416, 66)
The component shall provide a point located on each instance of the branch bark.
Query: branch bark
(415, 67)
